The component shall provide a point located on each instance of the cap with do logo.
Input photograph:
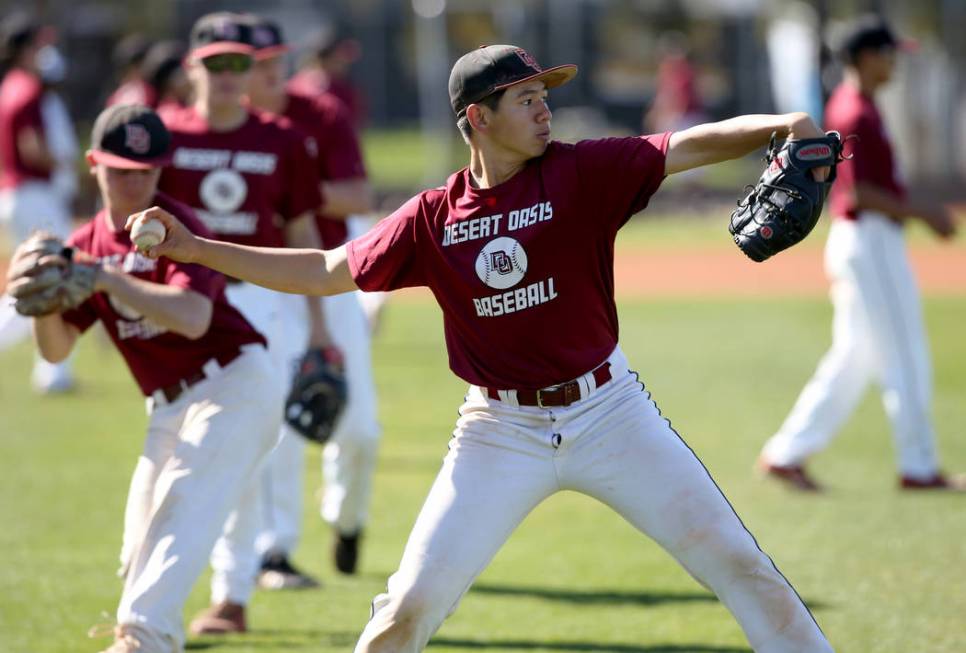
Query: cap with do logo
(492, 68)
(131, 137)
(222, 32)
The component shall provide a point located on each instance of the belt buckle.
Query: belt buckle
(542, 390)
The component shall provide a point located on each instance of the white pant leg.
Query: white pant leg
(234, 558)
(281, 482)
(225, 426)
(899, 336)
(27, 208)
(843, 374)
(499, 467)
(616, 447)
(349, 458)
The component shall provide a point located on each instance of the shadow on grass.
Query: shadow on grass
(583, 646)
(601, 596)
(277, 639)
(606, 596)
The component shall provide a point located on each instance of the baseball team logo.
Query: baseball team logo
(501, 263)
(223, 190)
(137, 138)
(262, 37)
(527, 59)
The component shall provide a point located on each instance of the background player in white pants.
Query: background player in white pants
(202, 368)
(878, 331)
(518, 250)
(29, 164)
(251, 178)
(349, 458)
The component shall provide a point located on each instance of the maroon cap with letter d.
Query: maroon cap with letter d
(492, 68)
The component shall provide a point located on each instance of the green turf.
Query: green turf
(882, 570)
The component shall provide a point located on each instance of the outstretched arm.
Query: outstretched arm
(714, 142)
(298, 271)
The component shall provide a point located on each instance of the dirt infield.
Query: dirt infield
(797, 272)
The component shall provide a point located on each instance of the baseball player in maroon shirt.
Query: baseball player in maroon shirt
(29, 195)
(201, 366)
(518, 250)
(349, 458)
(251, 178)
(878, 330)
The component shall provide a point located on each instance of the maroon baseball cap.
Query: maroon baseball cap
(492, 68)
(130, 136)
(266, 37)
(222, 32)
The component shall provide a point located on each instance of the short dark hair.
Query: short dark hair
(492, 101)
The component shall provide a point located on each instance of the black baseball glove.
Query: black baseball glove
(786, 203)
(318, 395)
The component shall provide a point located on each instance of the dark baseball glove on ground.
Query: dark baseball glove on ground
(318, 395)
(45, 277)
(786, 203)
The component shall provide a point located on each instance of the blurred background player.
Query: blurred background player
(201, 367)
(165, 76)
(878, 331)
(252, 179)
(35, 165)
(349, 458)
(324, 68)
(127, 58)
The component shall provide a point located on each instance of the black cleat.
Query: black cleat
(345, 552)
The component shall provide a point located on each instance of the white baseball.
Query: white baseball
(148, 233)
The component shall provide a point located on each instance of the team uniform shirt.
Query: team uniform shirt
(315, 82)
(850, 112)
(157, 357)
(326, 120)
(244, 184)
(21, 93)
(135, 91)
(523, 271)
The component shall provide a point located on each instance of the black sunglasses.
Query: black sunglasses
(228, 62)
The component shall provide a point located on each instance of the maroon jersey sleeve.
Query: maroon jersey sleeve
(386, 257)
(340, 156)
(626, 170)
(302, 193)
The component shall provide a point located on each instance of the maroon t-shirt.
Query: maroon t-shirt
(246, 183)
(326, 120)
(157, 357)
(314, 82)
(20, 97)
(850, 112)
(523, 271)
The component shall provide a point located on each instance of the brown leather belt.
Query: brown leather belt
(175, 390)
(558, 395)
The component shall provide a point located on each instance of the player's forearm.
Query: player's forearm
(55, 338)
(733, 138)
(297, 271)
(182, 311)
(876, 198)
(346, 197)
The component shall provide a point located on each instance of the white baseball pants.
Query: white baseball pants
(349, 458)
(201, 456)
(234, 561)
(613, 445)
(877, 333)
(29, 207)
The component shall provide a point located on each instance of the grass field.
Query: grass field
(883, 571)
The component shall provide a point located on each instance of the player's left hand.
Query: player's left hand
(179, 244)
(805, 127)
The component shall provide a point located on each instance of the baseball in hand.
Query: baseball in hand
(147, 233)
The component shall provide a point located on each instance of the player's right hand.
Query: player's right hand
(179, 244)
